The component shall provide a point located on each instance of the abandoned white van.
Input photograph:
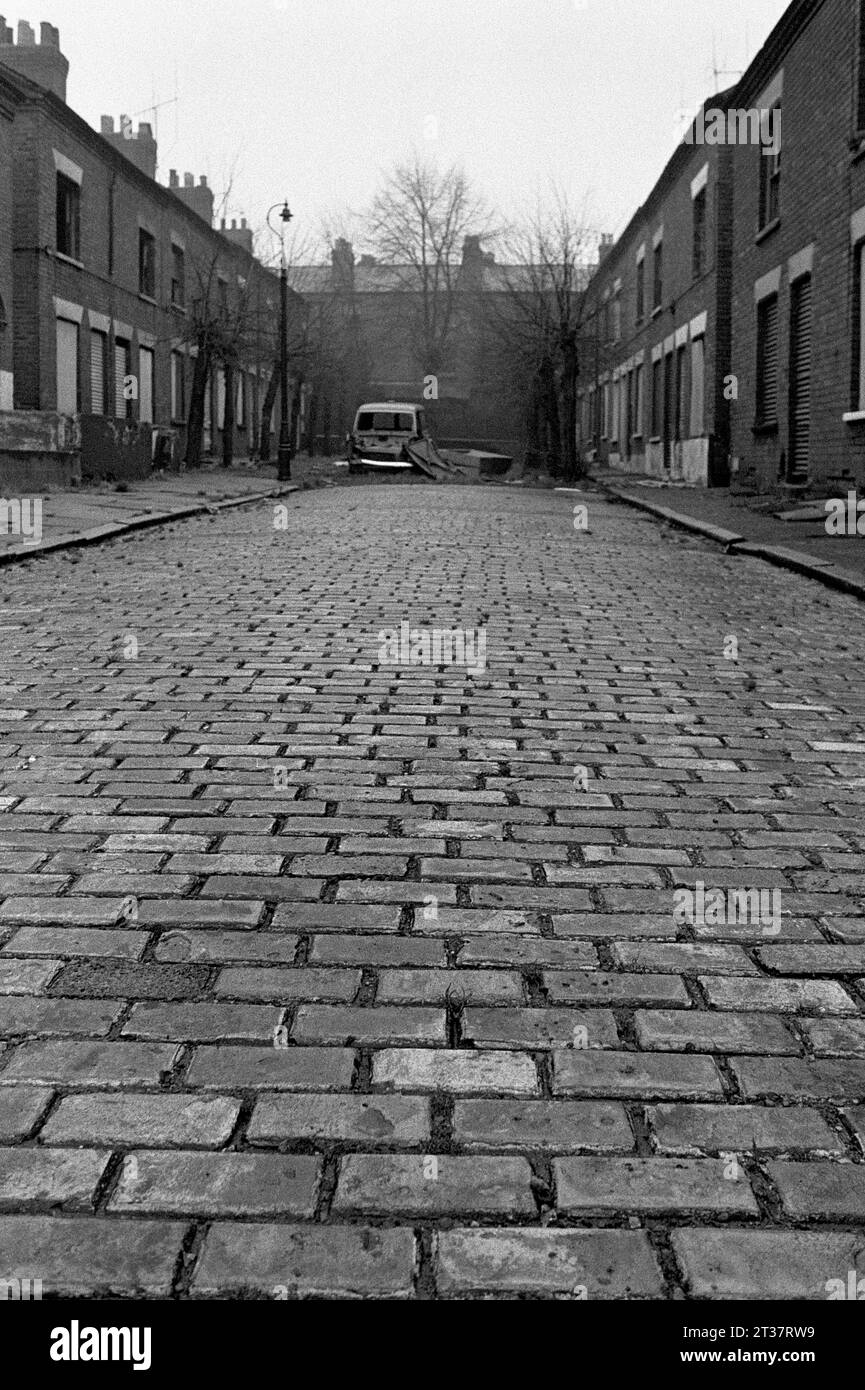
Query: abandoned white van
(382, 432)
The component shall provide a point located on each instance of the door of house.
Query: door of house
(801, 319)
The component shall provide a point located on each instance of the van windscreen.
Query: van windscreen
(384, 422)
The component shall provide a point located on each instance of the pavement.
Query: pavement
(86, 515)
(752, 524)
(329, 971)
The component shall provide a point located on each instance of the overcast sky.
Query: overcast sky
(311, 99)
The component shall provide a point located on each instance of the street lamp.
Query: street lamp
(283, 467)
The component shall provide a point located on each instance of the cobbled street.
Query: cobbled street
(324, 976)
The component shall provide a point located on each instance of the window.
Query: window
(614, 413)
(98, 358)
(657, 397)
(658, 277)
(145, 385)
(860, 116)
(384, 422)
(220, 397)
(617, 317)
(681, 397)
(240, 405)
(178, 387)
(122, 369)
(146, 264)
(767, 362)
(641, 289)
(606, 409)
(178, 277)
(67, 367)
(770, 175)
(639, 389)
(699, 250)
(68, 217)
(698, 387)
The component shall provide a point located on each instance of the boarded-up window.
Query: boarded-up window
(67, 367)
(145, 385)
(698, 387)
(98, 357)
(639, 403)
(178, 387)
(240, 406)
(681, 390)
(122, 367)
(767, 361)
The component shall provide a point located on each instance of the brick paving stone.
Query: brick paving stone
(433, 986)
(88, 912)
(364, 1027)
(208, 1022)
(194, 912)
(472, 1073)
(722, 1264)
(305, 1261)
(369, 1121)
(220, 947)
(376, 951)
(433, 1185)
(705, 1031)
(832, 1191)
(634, 1075)
(304, 917)
(813, 960)
(605, 987)
(586, 1264)
(21, 1109)
(220, 1184)
(159, 1121)
(89, 1256)
(540, 1028)
(559, 1125)
(778, 996)
(27, 976)
(468, 921)
(856, 1116)
(50, 1017)
(836, 1037)
(589, 1185)
(31, 1179)
(799, 1078)
(90, 1064)
(682, 958)
(695, 1129)
(61, 942)
(270, 1068)
(274, 983)
(610, 926)
(526, 951)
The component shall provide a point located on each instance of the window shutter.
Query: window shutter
(801, 320)
(67, 367)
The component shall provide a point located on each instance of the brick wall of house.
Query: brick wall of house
(691, 307)
(822, 185)
(101, 290)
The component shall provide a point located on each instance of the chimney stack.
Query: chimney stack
(197, 197)
(239, 236)
(139, 148)
(41, 62)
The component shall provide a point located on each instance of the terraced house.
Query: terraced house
(727, 323)
(108, 277)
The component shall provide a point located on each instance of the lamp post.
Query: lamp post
(283, 467)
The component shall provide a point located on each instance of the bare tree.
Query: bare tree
(416, 225)
(538, 323)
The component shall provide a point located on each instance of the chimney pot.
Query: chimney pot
(107, 125)
(173, 180)
(234, 224)
(6, 34)
(243, 223)
(203, 181)
(188, 181)
(222, 226)
(47, 34)
(26, 36)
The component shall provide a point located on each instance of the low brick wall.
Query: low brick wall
(39, 449)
